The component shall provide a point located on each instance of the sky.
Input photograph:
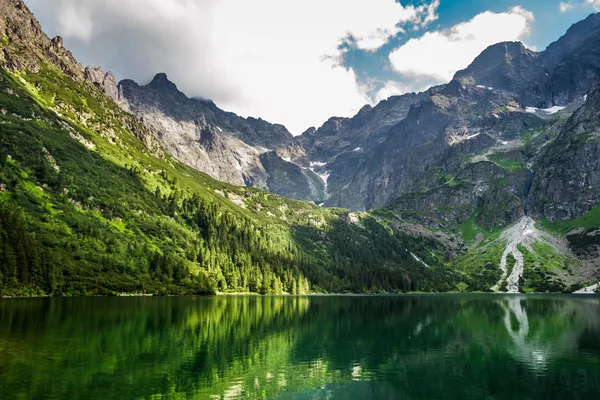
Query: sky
(299, 62)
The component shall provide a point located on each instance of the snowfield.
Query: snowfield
(549, 111)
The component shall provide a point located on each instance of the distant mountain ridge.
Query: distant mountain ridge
(356, 162)
(423, 142)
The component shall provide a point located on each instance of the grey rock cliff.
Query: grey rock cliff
(227, 147)
(105, 82)
(567, 182)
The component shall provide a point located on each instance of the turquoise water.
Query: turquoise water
(321, 347)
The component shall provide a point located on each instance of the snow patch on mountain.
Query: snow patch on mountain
(549, 111)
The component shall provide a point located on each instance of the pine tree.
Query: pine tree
(9, 267)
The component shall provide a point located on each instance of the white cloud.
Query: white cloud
(430, 12)
(75, 22)
(564, 7)
(374, 26)
(390, 88)
(269, 58)
(437, 55)
(594, 3)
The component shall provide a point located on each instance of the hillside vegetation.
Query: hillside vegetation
(89, 205)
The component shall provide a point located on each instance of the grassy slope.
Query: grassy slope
(103, 208)
(588, 221)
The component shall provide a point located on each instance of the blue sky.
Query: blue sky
(299, 62)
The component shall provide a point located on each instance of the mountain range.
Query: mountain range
(488, 182)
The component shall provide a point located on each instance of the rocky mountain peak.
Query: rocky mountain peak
(220, 143)
(365, 108)
(334, 125)
(500, 65)
(28, 44)
(556, 76)
(575, 35)
(503, 51)
(310, 131)
(161, 82)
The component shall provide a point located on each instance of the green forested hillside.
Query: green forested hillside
(89, 204)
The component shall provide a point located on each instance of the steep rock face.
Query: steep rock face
(25, 46)
(290, 180)
(573, 61)
(105, 82)
(220, 143)
(567, 182)
(343, 135)
(457, 126)
(483, 189)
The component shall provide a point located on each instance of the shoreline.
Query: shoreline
(249, 294)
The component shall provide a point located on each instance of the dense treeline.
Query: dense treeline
(22, 264)
(85, 212)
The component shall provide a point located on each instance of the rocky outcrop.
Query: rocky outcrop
(25, 48)
(291, 180)
(105, 82)
(24, 45)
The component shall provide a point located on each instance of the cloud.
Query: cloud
(385, 20)
(594, 3)
(390, 88)
(564, 7)
(74, 22)
(436, 56)
(270, 58)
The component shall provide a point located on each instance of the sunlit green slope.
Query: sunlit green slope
(89, 204)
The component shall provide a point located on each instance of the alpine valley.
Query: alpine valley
(488, 183)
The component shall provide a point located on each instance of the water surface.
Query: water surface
(322, 347)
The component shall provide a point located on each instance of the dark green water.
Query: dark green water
(381, 347)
